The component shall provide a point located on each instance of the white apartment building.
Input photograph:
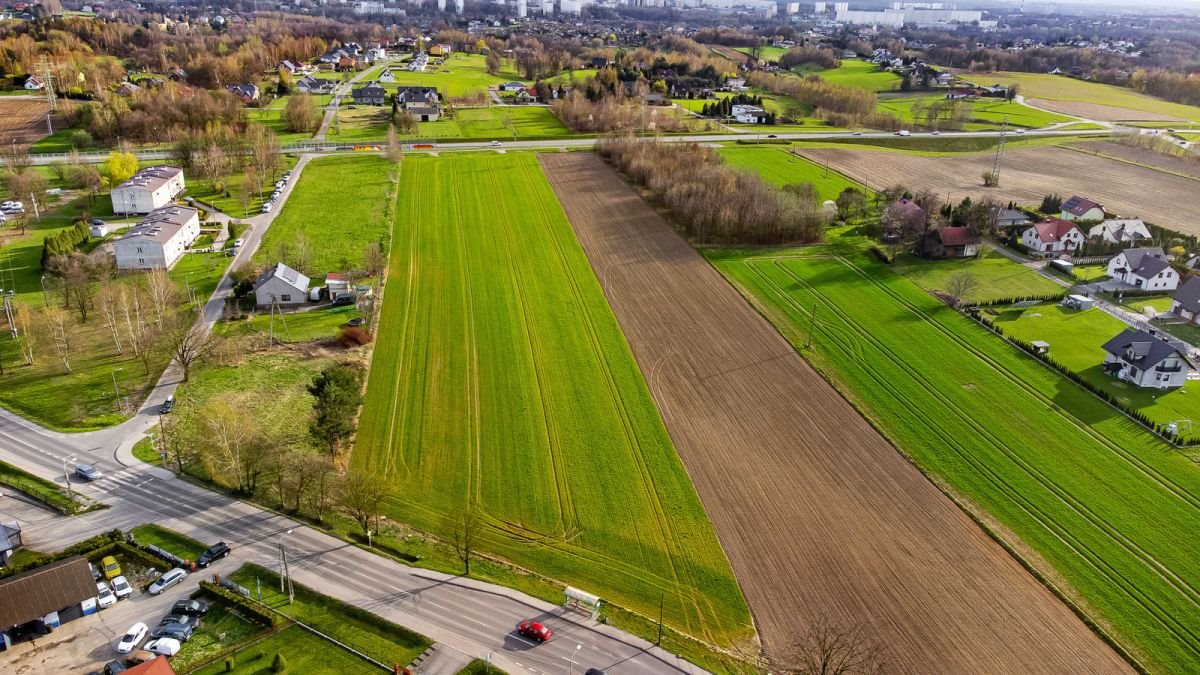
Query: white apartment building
(159, 240)
(151, 188)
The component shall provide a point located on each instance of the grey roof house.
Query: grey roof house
(1146, 360)
(281, 285)
(372, 93)
(1185, 304)
(1144, 268)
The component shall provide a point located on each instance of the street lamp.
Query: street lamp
(45, 297)
(573, 656)
(284, 572)
(67, 476)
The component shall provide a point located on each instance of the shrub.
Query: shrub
(279, 664)
(353, 336)
(247, 607)
(84, 547)
(229, 664)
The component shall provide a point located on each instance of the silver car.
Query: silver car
(167, 580)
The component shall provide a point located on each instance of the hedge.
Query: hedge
(84, 548)
(65, 242)
(254, 610)
(1045, 297)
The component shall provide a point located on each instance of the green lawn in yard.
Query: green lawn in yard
(1107, 505)
(227, 194)
(1062, 88)
(987, 113)
(360, 124)
(1076, 339)
(459, 75)
(778, 166)
(858, 74)
(57, 142)
(340, 205)
(219, 630)
(376, 637)
(997, 276)
(36, 487)
(477, 667)
(317, 324)
(304, 653)
(496, 336)
(531, 122)
(271, 116)
(170, 541)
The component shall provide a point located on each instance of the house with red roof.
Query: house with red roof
(1081, 208)
(952, 242)
(1052, 236)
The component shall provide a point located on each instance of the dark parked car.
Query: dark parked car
(343, 300)
(114, 667)
(595, 671)
(190, 607)
(214, 552)
(97, 221)
(175, 631)
(87, 472)
(167, 406)
(186, 619)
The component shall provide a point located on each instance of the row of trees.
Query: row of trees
(614, 113)
(820, 57)
(714, 202)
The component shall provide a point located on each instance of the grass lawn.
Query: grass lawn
(168, 540)
(998, 276)
(1061, 88)
(532, 123)
(271, 116)
(477, 667)
(859, 74)
(380, 639)
(460, 74)
(1109, 507)
(987, 113)
(340, 205)
(304, 652)
(57, 142)
(360, 124)
(778, 166)
(765, 53)
(1076, 338)
(317, 324)
(36, 487)
(501, 379)
(229, 199)
(219, 629)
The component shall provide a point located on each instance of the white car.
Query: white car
(167, 580)
(104, 595)
(11, 205)
(163, 646)
(121, 587)
(133, 636)
(267, 208)
(279, 185)
(496, 143)
(238, 243)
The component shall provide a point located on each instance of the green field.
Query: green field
(340, 205)
(987, 113)
(495, 123)
(776, 165)
(859, 74)
(1061, 88)
(317, 324)
(1104, 503)
(271, 116)
(765, 52)
(459, 75)
(1076, 338)
(501, 380)
(998, 276)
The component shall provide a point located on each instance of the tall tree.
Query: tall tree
(338, 390)
(58, 325)
(120, 167)
(363, 493)
(187, 341)
(465, 526)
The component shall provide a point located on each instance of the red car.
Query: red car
(534, 630)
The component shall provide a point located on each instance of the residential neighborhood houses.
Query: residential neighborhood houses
(1120, 231)
(281, 285)
(1185, 304)
(1052, 236)
(420, 102)
(750, 114)
(159, 240)
(1081, 208)
(248, 93)
(1146, 360)
(371, 93)
(1144, 268)
(149, 189)
(313, 85)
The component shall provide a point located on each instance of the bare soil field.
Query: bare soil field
(1100, 112)
(23, 119)
(1188, 165)
(820, 516)
(1026, 175)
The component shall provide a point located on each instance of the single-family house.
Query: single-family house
(1081, 208)
(345, 64)
(387, 76)
(749, 114)
(151, 188)
(314, 85)
(735, 84)
(337, 285)
(178, 75)
(371, 93)
(159, 240)
(248, 93)
(513, 86)
(1120, 231)
(1146, 360)
(1144, 268)
(525, 96)
(1006, 218)
(289, 67)
(1185, 304)
(377, 53)
(126, 88)
(34, 83)
(420, 102)
(952, 242)
(946, 78)
(1052, 236)
(599, 62)
(440, 51)
(45, 596)
(281, 285)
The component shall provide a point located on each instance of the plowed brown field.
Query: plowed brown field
(819, 515)
(1026, 175)
(23, 119)
(1100, 112)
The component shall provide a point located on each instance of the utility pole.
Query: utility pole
(48, 80)
(661, 598)
(999, 151)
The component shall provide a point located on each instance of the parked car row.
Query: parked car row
(279, 186)
(167, 637)
(12, 208)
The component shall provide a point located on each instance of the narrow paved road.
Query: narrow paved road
(339, 93)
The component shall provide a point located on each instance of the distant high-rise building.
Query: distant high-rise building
(522, 8)
(459, 6)
(840, 7)
(818, 8)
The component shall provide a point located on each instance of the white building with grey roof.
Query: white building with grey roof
(281, 285)
(159, 240)
(151, 188)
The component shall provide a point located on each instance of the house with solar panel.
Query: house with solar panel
(281, 286)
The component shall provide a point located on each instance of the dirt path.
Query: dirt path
(819, 515)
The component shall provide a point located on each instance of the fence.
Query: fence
(1089, 260)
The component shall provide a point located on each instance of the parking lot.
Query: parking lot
(86, 644)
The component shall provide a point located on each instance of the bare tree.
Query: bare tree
(58, 326)
(212, 163)
(466, 526)
(301, 253)
(374, 260)
(362, 498)
(828, 649)
(266, 156)
(163, 292)
(325, 486)
(187, 341)
(27, 336)
(961, 284)
(395, 151)
(301, 470)
(75, 275)
(234, 447)
(108, 302)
